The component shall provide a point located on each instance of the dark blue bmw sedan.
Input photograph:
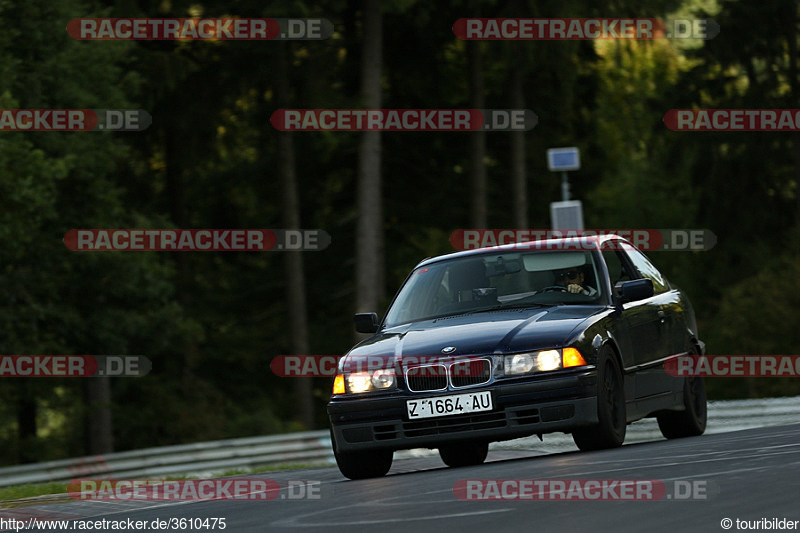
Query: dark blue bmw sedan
(567, 335)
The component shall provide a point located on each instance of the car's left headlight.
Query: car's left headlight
(358, 382)
(541, 361)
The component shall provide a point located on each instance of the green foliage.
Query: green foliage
(56, 301)
(8, 495)
(756, 316)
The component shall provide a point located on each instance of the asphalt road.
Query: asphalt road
(747, 475)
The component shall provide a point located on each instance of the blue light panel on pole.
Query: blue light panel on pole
(563, 159)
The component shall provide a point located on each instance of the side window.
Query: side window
(617, 270)
(647, 270)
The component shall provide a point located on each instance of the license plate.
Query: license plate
(457, 404)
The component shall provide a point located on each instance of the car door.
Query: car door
(658, 325)
(639, 325)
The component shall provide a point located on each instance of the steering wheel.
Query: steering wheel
(553, 288)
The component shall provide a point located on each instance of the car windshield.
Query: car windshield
(495, 281)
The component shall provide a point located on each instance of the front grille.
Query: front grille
(511, 418)
(443, 426)
(426, 378)
(385, 432)
(527, 416)
(458, 374)
(473, 372)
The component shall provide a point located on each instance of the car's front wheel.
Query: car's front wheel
(464, 454)
(364, 465)
(610, 429)
(690, 422)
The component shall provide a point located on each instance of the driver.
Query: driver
(573, 280)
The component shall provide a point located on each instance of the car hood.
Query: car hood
(499, 331)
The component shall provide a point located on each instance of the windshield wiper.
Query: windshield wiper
(521, 305)
(484, 309)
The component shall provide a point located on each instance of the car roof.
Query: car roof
(576, 243)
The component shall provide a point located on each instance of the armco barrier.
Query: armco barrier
(310, 447)
(314, 447)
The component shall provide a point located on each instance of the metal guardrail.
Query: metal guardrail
(310, 447)
(314, 447)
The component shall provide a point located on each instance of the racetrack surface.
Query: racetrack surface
(749, 475)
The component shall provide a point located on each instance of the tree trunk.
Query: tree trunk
(26, 426)
(477, 139)
(99, 429)
(294, 265)
(519, 186)
(175, 150)
(369, 240)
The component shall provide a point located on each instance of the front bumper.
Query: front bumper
(521, 408)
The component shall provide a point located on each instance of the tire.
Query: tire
(464, 454)
(364, 464)
(610, 429)
(690, 422)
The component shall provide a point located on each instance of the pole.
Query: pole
(564, 187)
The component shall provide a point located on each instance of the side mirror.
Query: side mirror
(366, 322)
(631, 291)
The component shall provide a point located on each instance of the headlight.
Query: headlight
(548, 360)
(542, 361)
(520, 363)
(359, 382)
(383, 379)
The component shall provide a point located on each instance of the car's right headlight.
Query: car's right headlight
(541, 361)
(359, 382)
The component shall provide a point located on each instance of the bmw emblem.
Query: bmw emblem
(448, 349)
